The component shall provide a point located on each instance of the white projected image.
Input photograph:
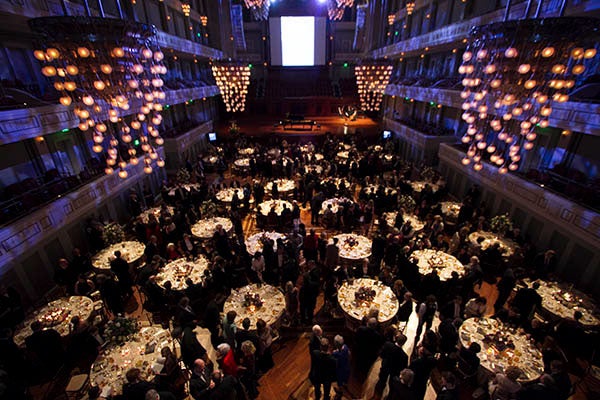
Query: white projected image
(298, 41)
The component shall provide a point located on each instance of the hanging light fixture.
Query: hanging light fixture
(514, 71)
(259, 8)
(186, 8)
(233, 81)
(372, 81)
(204, 20)
(410, 7)
(336, 8)
(105, 68)
(391, 19)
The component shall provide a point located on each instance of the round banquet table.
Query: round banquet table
(385, 300)
(57, 315)
(226, 195)
(111, 365)
(274, 152)
(283, 185)
(416, 223)
(418, 186)
(186, 186)
(156, 211)
(317, 169)
(335, 202)
(283, 160)
(210, 160)
(337, 182)
(254, 243)
(451, 208)
(373, 189)
(314, 157)
(429, 259)
(206, 228)
(246, 152)
(242, 163)
(353, 246)
(561, 301)
(265, 206)
(179, 270)
(271, 310)
(489, 238)
(131, 251)
(495, 356)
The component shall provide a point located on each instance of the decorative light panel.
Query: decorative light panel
(372, 81)
(233, 81)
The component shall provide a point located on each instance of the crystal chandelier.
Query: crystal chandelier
(107, 68)
(410, 7)
(513, 73)
(259, 8)
(335, 8)
(233, 81)
(372, 81)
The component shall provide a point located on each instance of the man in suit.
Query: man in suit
(332, 255)
(368, 341)
(225, 386)
(453, 309)
(191, 349)
(527, 300)
(201, 384)
(245, 334)
(322, 370)
(315, 339)
(120, 268)
(135, 388)
(46, 345)
(393, 360)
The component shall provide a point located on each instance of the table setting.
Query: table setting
(353, 246)
(502, 346)
(57, 315)
(205, 228)
(374, 189)
(156, 211)
(415, 222)
(358, 297)
(451, 208)
(131, 251)
(265, 207)
(256, 301)
(316, 169)
(507, 246)
(141, 351)
(186, 186)
(226, 195)
(254, 243)
(179, 270)
(248, 151)
(285, 161)
(283, 185)
(562, 300)
(418, 186)
(242, 163)
(444, 263)
(210, 160)
(335, 202)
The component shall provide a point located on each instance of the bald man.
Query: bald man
(201, 385)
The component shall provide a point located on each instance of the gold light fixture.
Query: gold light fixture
(514, 72)
(204, 20)
(410, 7)
(233, 82)
(391, 19)
(186, 8)
(104, 68)
(372, 81)
(259, 8)
(336, 8)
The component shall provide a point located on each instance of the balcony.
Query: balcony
(17, 125)
(572, 115)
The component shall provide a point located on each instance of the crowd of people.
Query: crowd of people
(305, 265)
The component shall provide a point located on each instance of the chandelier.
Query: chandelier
(513, 73)
(335, 8)
(233, 81)
(410, 7)
(107, 68)
(372, 81)
(391, 19)
(259, 8)
(186, 8)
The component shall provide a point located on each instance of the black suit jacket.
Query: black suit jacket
(393, 358)
(191, 349)
(199, 386)
(322, 368)
(136, 391)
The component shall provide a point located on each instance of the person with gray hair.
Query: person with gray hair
(401, 386)
(226, 360)
(342, 356)
(315, 338)
(322, 370)
(368, 341)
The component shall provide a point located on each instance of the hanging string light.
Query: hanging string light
(186, 8)
(259, 8)
(233, 82)
(513, 73)
(204, 20)
(391, 19)
(104, 68)
(372, 81)
(410, 7)
(336, 8)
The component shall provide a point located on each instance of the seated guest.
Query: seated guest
(84, 286)
(561, 378)
(46, 345)
(152, 394)
(200, 383)
(505, 386)
(544, 389)
(468, 361)
(170, 378)
(135, 388)
(449, 391)
(476, 307)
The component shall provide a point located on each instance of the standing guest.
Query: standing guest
(561, 378)
(527, 300)
(265, 337)
(226, 359)
(332, 255)
(135, 388)
(476, 307)
(80, 262)
(406, 308)
(170, 378)
(47, 346)
(151, 247)
(322, 370)
(401, 386)
(505, 386)
(368, 341)
(110, 293)
(200, 383)
(315, 339)
(393, 360)
(248, 369)
(322, 247)
(120, 268)
(225, 386)
(258, 266)
(505, 287)
(426, 313)
(311, 245)
(65, 275)
(544, 389)
(244, 334)
(291, 302)
(422, 367)
(191, 348)
(453, 309)
(342, 357)
(229, 328)
(83, 286)
(449, 390)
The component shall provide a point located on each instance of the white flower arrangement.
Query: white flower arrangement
(113, 233)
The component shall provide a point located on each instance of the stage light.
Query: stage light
(322, 1)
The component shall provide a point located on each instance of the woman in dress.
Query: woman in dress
(247, 369)
(342, 356)
(291, 302)
(265, 357)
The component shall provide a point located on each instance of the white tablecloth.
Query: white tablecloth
(524, 355)
(246, 152)
(271, 311)
(254, 243)
(205, 228)
(226, 195)
(57, 315)
(489, 238)
(179, 270)
(418, 186)
(265, 206)
(156, 211)
(434, 259)
(131, 251)
(317, 169)
(373, 189)
(186, 186)
(283, 185)
(354, 247)
(385, 300)
(451, 208)
(242, 162)
(113, 363)
(335, 202)
(416, 223)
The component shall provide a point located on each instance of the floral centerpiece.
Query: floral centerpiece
(54, 317)
(428, 174)
(499, 340)
(183, 175)
(252, 300)
(113, 233)
(501, 224)
(120, 329)
(364, 294)
(407, 202)
(350, 242)
(208, 209)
